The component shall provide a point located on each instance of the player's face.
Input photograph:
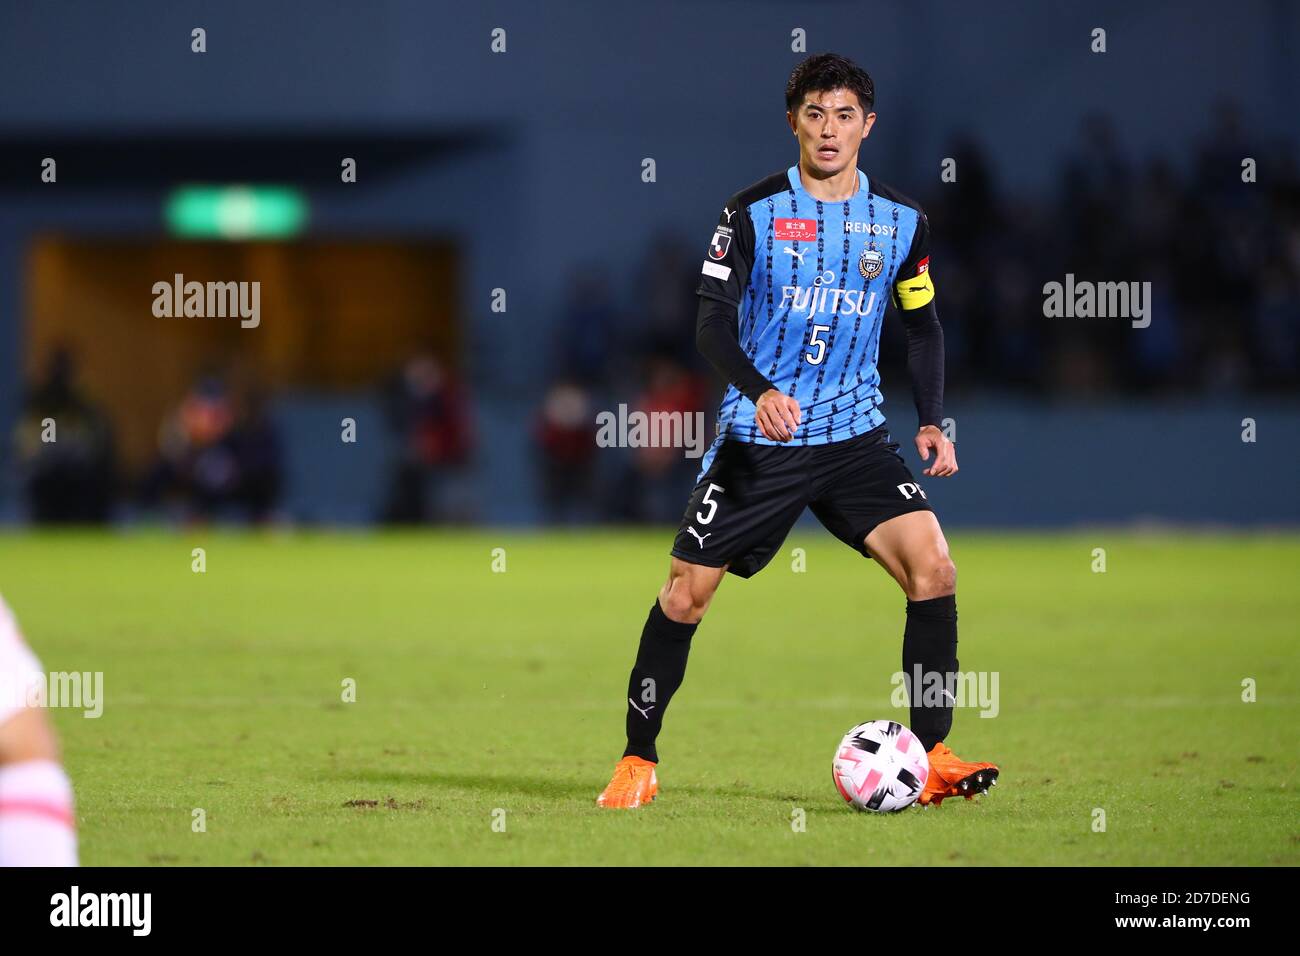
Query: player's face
(830, 127)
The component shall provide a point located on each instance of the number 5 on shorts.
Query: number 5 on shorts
(713, 505)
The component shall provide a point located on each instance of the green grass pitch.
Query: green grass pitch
(489, 696)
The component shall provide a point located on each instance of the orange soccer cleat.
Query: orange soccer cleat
(951, 776)
(633, 784)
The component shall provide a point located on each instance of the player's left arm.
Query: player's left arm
(914, 296)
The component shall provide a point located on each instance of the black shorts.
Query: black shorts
(750, 496)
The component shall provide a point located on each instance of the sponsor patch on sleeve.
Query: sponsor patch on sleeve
(717, 271)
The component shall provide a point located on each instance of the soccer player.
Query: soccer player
(36, 822)
(793, 290)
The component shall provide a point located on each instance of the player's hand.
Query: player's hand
(945, 452)
(777, 415)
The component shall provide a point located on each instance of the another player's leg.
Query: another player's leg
(36, 822)
(658, 672)
(912, 548)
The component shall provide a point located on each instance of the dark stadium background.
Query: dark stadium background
(522, 171)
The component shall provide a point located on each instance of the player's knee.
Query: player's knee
(27, 735)
(934, 577)
(682, 606)
(685, 600)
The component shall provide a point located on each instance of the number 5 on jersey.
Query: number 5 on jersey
(813, 340)
(708, 500)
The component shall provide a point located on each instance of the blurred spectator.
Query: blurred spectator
(658, 474)
(65, 449)
(259, 453)
(566, 441)
(219, 456)
(428, 411)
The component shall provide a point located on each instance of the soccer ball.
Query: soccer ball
(880, 766)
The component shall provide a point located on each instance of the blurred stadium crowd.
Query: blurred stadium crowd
(221, 455)
(1222, 257)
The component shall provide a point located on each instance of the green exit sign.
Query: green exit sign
(235, 212)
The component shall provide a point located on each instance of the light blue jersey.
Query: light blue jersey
(811, 281)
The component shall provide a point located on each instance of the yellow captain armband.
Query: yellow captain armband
(915, 292)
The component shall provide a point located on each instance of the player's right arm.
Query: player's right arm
(724, 277)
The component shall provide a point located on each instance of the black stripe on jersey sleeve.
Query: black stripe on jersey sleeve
(920, 249)
(925, 358)
(724, 274)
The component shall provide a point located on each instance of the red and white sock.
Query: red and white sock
(36, 822)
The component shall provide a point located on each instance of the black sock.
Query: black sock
(658, 672)
(930, 645)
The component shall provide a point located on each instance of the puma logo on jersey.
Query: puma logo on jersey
(697, 536)
(796, 253)
(644, 713)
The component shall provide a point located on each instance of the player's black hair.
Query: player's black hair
(829, 71)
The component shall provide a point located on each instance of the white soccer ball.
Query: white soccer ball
(880, 766)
